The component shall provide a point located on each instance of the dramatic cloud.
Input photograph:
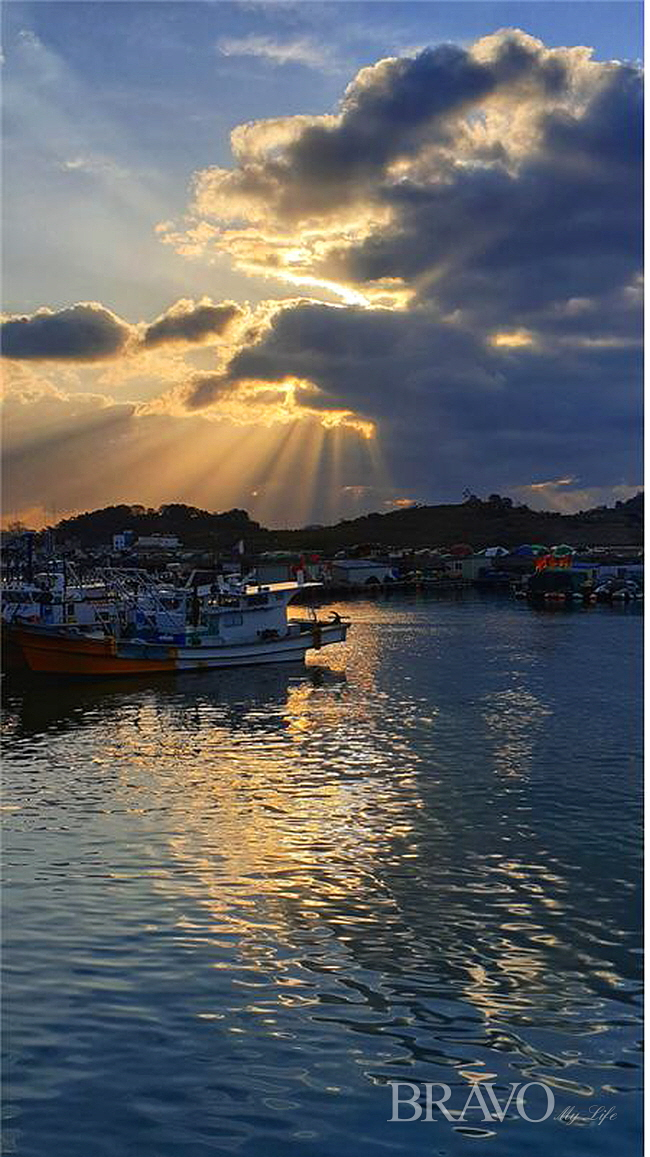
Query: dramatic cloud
(390, 113)
(477, 212)
(244, 400)
(84, 332)
(451, 410)
(441, 174)
(190, 322)
(91, 332)
(482, 208)
(506, 246)
(205, 389)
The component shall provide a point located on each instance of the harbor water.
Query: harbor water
(238, 904)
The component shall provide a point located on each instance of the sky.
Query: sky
(312, 260)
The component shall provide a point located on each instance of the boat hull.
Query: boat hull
(66, 653)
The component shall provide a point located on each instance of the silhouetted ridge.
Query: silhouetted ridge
(495, 520)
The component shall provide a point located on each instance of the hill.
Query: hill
(198, 529)
(495, 520)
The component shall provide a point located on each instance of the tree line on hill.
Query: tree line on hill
(480, 522)
(196, 529)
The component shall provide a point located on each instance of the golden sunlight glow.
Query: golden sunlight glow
(264, 459)
(270, 831)
(512, 339)
(277, 402)
(553, 483)
(333, 418)
(390, 293)
(256, 401)
(262, 248)
(347, 294)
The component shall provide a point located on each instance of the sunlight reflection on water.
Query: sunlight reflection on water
(241, 902)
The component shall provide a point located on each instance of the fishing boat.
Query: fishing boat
(58, 597)
(158, 630)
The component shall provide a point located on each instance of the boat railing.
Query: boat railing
(137, 593)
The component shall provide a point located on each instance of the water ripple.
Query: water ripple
(238, 905)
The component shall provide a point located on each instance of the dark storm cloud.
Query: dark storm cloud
(190, 322)
(204, 390)
(503, 245)
(89, 331)
(389, 112)
(368, 360)
(452, 410)
(359, 358)
(381, 121)
(84, 332)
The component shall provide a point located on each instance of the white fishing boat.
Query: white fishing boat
(58, 597)
(159, 630)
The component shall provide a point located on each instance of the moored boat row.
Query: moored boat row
(126, 624)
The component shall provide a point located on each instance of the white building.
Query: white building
(124, 540)
(158, 542)
(470, 567)
(361, 572)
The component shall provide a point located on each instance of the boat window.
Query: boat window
(258, 600)
(232, 619)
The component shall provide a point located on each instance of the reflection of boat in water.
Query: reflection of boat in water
(242, 698)
(230, 625)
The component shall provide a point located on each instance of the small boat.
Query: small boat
(626, 593)
(236, 624)
(618, 591)
(58, 597)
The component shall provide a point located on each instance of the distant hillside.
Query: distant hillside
(195, 528)
(493, 521)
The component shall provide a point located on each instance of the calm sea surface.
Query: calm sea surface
(238, 904)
